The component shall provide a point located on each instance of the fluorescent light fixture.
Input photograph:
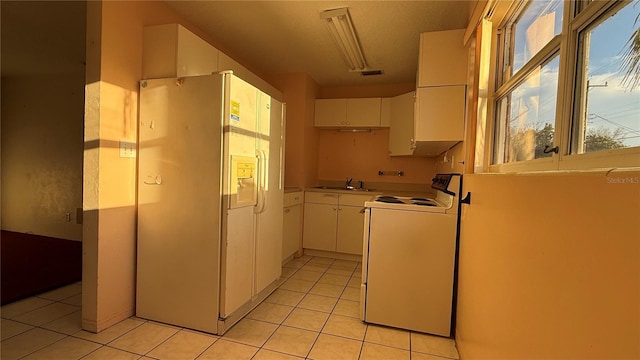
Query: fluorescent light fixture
(344, 34)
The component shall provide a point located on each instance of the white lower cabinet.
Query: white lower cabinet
(292, 227)
(320, 224)
(334, 222)
(350, 229)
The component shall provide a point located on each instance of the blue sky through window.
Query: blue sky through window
(611, 105)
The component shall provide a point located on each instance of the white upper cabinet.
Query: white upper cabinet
(363, 112)
(442, 59)
(173, 51)
(227, 63)
(170, 51)
(427, 122)
(401, 128)
(441, 114)
(441, 93)
(385, 112)
(330, 112)
(348, 113)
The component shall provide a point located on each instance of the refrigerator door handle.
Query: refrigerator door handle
(258, 181)
(262, 183)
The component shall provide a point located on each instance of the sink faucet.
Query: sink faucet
(348, 183)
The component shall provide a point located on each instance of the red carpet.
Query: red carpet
(31, 264)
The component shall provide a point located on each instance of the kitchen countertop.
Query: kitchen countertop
(373, 189)
(374, 192)
(371, 192)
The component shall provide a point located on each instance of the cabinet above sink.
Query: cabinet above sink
(348, 113)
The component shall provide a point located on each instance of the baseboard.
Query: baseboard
(333, 255)
(31, 264)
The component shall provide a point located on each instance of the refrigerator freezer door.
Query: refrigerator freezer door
(244, 181)
(237, 262)
(241, 173)
(240, 136)
(178, 222)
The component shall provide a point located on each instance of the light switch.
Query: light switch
(127, 149)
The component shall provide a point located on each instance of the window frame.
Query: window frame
(577, 15)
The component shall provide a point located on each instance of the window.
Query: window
(535, 27)
(526, 116)
(525, 112)
(607, 106)
(567, 91)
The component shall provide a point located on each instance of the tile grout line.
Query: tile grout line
(295, 306)
(245, 317)
(208, 347)
(332, 310)
(327, 319)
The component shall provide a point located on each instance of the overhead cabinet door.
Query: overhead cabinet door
(348, 113)
(401, 126)
(442, 59)
(363, 112)
(440, 113)
(330, 112)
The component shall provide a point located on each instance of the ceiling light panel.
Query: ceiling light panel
(341, 28)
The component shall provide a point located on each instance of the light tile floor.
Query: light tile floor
(314, 314)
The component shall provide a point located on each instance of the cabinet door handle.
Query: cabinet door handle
(286, 211)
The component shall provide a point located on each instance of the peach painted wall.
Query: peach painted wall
(550, 266)
(361, 155)
(452, 160)
(299, 92)
(312, 141)
(42, 118)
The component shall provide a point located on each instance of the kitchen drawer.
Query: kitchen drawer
(354, 199)
(292, 198)
(321, 197)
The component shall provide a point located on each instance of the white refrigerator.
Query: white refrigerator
(210, 198)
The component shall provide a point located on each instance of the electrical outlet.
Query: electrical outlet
(67, 217)
(127, 149)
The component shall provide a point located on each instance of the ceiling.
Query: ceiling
(289, 36)
(265, 36)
